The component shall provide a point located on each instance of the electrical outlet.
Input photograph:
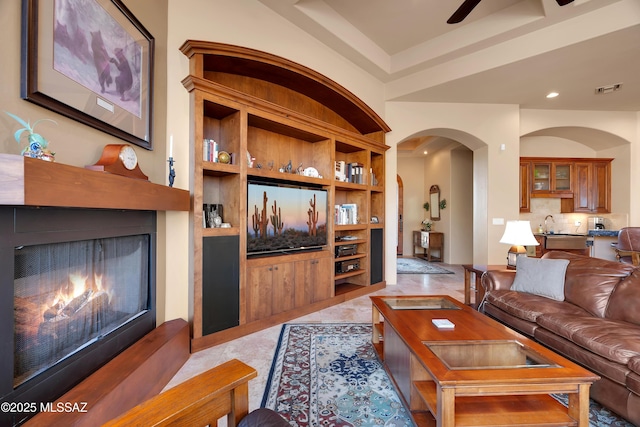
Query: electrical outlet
(577, 223)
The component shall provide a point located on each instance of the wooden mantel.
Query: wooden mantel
(31, 182)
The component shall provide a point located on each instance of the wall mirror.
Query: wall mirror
(434, 201)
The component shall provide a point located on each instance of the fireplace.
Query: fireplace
(77, 286)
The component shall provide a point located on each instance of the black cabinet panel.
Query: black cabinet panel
(377, 265)
(220, 283)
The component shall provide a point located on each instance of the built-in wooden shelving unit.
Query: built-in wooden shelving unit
(269, 110)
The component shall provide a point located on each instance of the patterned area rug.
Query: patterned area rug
(419, 266)
(328, 374)
(598, 416)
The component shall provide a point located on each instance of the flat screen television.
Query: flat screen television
(284, 218)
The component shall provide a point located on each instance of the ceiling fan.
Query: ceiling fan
(468, 5)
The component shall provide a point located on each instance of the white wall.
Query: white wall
(438, 172)
(460, 243)
(482, 128)
(412, 171)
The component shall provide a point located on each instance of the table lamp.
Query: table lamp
(517, 234)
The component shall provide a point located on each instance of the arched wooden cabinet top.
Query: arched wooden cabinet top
(242, 68)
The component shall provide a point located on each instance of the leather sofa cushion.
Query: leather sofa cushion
(624, 303)
(589, 281)
(614, 340)
(528, 306)
(593, 362)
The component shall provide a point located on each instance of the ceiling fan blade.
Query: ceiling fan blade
(563, 2)
(464, 10)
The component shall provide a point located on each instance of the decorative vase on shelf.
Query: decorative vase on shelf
(38, 146)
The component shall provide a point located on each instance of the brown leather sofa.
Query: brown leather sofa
(597, 325)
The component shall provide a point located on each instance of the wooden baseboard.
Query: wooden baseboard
(135, 375)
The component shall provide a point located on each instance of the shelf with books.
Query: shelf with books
(352, 163)
(220, 132)
(347, 186)
(219, 169)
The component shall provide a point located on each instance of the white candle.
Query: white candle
(171, 146)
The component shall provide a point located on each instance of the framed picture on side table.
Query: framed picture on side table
(92, 61)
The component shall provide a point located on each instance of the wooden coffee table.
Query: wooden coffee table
(480, 373)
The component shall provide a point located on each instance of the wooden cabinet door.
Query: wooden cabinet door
(601, 187)
(525, 186)
(313, 281)
(541, 177)
(282, 285)
(304, 287)
(582, 194)
(270, 290)
(561, 174)
(321, 275)
(551, 179)
(259, 292)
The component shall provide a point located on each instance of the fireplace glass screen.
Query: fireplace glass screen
(68, 295)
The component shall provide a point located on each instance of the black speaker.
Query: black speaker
(220, 283)
(377, 256)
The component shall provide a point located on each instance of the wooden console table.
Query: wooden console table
(429, 241)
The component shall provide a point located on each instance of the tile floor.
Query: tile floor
(257, 349)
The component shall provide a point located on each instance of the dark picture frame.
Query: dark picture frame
(92, 61)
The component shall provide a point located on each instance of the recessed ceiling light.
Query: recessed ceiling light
(552, 94)
(424, 152)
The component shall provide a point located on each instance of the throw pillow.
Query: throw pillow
(544, 277)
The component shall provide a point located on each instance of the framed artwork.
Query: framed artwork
(92, 61)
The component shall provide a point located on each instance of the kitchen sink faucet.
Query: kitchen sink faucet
(546, 227)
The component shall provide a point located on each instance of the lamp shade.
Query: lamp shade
(518, 233)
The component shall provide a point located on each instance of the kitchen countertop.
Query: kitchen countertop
(590, 233)
(603, 233)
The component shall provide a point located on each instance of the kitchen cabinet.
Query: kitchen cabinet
(551, 179)
(582, 184)
(593, 187)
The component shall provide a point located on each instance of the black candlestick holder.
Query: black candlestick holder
(172, 172)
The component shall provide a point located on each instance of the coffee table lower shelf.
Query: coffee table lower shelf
(494, 411)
